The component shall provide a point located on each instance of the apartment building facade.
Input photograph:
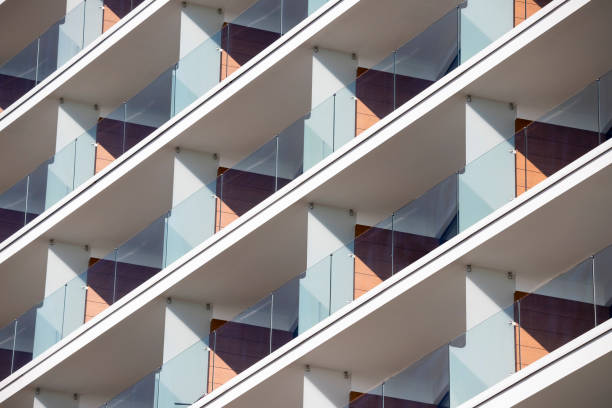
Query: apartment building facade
(317, 203)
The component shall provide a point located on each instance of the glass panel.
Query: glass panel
(342, 277)
(344, 116)
(48, 321)
(293, 13)
(110, 138)
(100, 278)
(557, 313)
(37, 190)
(190, 223)
(250, 33)
(24, 338)
(248, 183)
(140, 258)
(290, 153)
(60, 174)
(481, 357)
(371, 399)
(285, 313)
(242, 342)
(13, 208)
(319, 133)
(603, 285)
(375, 92)
(421, 226)
(424, 384)
(487, 183)
(426, 58)
(197, 72)
(149, 109)
(183, 379)
(140, 395)
(94, 18)
(70, 36)
(483, 22)
(263, 15)
(18, 75)
(85, 156)
(561, 136)
(75, 302)
(314, 294)
(7, 344)
(605, 107)
(48, 52)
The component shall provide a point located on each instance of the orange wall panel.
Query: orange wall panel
(110, 18)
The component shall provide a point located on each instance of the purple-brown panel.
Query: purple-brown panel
(548, 148)
(13, 88)
(10, 222)
(240, 44)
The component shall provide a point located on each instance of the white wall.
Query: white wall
(326, 388)
(73, 120)
(192, 171)
(185, 324)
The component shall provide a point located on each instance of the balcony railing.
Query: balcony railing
(62, 41)
(377, 252)
(289, 154)
(535, 325)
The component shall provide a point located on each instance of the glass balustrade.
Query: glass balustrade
(380, 251)
(483, 186)
(176, 88)
(375, 93)
(516, 336)
(60, 42)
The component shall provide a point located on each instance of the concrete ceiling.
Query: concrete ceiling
(16, 35)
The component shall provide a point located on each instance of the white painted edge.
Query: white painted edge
(174, 127)
(190, 262)
(79, 61)
(551, 368)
